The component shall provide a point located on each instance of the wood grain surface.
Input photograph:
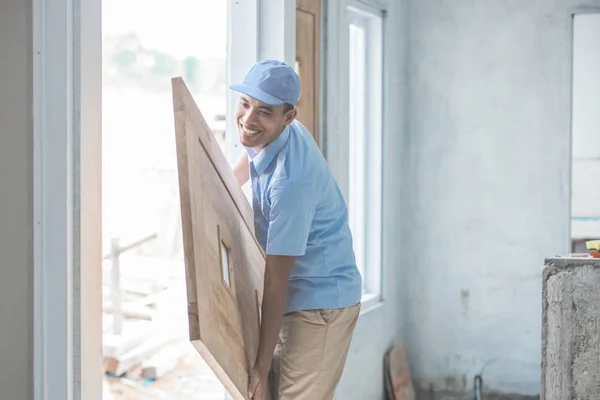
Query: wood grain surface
(224, 262)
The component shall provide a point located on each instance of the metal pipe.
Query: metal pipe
(478, 387)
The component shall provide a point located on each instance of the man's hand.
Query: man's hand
(257, 385)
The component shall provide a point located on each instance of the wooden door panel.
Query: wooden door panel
(224, 262)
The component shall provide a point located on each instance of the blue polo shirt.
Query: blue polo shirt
(299, 211)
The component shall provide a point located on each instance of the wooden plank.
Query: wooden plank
(134, 333)
(162, 363)
(224, 262)
(398, 372)
(118, 365)
(389, 390)
(308, 59)
(131, 311)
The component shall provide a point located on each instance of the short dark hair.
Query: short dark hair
(287, 107)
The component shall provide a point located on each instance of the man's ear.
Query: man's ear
(290, 116)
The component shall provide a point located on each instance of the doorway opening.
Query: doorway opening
(146, 347)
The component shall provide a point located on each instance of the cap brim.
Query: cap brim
(257, 93)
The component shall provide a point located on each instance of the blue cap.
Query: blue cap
(271, 82)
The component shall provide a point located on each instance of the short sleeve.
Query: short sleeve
(292, 210)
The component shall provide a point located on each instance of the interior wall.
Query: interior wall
(16, 208)
(489, 167)
(382, 327)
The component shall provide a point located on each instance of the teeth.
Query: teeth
(250, 132)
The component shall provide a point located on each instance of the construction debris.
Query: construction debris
(153, 330)
(398, 381)
(152, 357)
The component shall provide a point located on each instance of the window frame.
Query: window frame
(336, 137)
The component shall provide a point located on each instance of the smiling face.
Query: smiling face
(259, 124)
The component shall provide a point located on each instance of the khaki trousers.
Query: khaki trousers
(311, 353)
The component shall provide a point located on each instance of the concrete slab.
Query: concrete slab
(571, 329)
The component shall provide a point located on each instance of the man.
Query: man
(312, 288)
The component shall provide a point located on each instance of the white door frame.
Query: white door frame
(67, 139)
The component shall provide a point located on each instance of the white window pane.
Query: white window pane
(585, 196)
(365, 71)
(586, 86)
(357, 146)
(374, 138)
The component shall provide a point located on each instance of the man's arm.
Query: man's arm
(292, 210)
(277, 273)
(241, 169)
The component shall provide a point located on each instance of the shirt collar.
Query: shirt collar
(262, 159)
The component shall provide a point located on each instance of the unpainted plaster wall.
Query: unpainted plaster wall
(489, 89)
(16, 197)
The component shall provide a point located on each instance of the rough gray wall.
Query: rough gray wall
(571, 320)
(16, 182)
(383, 327)
(489, 167)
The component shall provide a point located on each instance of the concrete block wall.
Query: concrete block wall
(571, 329)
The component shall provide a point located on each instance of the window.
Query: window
(585, 135)
(365, 142)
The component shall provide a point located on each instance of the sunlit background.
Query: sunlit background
(145, 44)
